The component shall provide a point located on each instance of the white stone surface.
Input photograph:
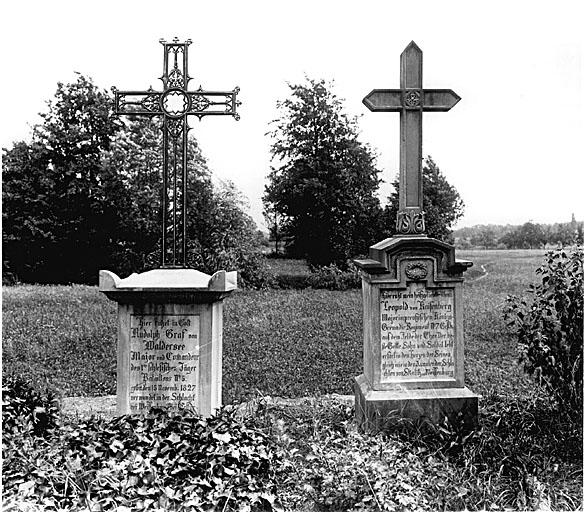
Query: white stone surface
(417, 333)
(167, 278)
(164, 361)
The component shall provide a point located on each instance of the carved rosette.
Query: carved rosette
(412, 98)
(410, 222)
(416, 271)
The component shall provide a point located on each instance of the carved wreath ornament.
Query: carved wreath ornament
(416, 271)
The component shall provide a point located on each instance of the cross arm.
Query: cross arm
(439, 100)
(138, 102)
(394, 100)
(384, 100)
(213, 103)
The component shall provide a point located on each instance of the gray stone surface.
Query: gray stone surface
(84, 407)
(413, 340)
(380, 410)
(170, 338)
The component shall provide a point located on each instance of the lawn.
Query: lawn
(287, 343)
(298, 343)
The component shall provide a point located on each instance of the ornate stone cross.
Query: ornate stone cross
(174, 104)
(410, 101)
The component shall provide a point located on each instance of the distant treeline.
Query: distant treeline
(525, 236)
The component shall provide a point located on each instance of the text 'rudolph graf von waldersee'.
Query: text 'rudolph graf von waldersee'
(164, 361)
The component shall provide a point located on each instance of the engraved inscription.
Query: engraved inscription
(417, 333)
(164, 361)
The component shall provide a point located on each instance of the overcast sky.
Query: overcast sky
(511, 146)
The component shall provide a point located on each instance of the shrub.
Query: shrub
(162, 461)
(549, 327)
(329, 277)
(27, 416)
(25, 410)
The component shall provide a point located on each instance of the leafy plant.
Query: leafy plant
(24, 409)
(331, 277)
(526, 454)
(28, 416)
(549, 327)
(328, 277)
(165, 460)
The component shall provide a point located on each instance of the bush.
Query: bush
(332, 277)
(25, 410)
(163, 461)
(549, 327)
(329, 277)
(27, 417)
(292, 281)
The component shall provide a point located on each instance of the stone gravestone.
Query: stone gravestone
(413, 341)
(170, 320)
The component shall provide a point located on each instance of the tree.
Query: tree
(442, 204)
(527, 236)
(26, 206)
(220, 235)
(560, 234)
(56, 219)
(324, 188)
(230, 239)
(135, 157)
(85, 195)
(274, 222)
(485, 237)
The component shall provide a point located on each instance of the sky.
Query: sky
(511, 146)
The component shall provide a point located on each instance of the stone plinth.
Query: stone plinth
(413, 340)
(170, 338)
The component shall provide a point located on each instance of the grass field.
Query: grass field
(294, 343)
(277, 342)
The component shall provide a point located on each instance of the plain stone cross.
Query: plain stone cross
(410, 101)
(174, 104)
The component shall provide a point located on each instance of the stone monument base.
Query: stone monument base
(377, 410)
(170, 338)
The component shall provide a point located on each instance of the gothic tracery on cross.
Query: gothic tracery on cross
(410, 101)
(174, 103)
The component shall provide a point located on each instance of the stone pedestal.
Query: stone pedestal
(170, 338)
(413, 341)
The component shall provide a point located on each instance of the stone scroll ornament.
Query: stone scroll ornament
(410, 222)
(410, 100)
(174, 104)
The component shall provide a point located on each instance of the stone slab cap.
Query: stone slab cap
(169, 279)
(460, 265)
(371, 266)
(414, 244)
